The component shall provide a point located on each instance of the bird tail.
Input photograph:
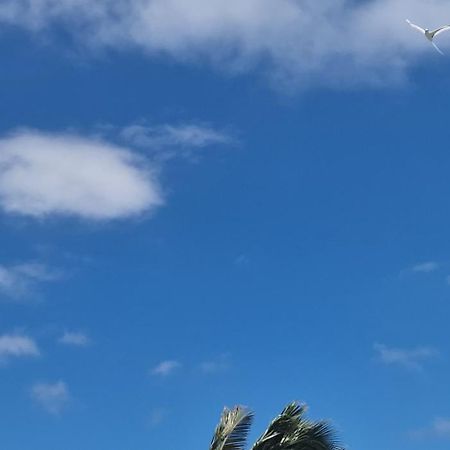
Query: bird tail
(438, 49)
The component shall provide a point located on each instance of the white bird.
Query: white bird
(430, 35)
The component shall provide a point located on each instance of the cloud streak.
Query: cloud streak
(19, 280)
(406, 358)
(296, 42)
(215, 366)
(166, 142)
(52, 397)
(439, 429)
(157, 417)
(426, 267)
(184, 135)
(166, 368)
(13, 346)
(75, 339)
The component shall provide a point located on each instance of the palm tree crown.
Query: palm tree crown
(288, 431)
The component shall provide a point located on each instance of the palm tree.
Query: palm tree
(289, 431)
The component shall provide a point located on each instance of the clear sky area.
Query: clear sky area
(219, 202)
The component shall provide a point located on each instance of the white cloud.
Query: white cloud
(426, 267)
(185, 135)
(408, 358)
(157, 417)
(165, 368)
(242, 260)
(297, 41)
(220, 364)
(166, 142)
(52, 397)
(441, 427)
(17, 346)
(45, 175)
(19, 280)
(75, 338)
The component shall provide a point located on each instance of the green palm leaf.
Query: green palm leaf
(292, 431)
(233, 428)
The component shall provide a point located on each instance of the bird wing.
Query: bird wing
(437, 48)
(415, 26)
(440, 30)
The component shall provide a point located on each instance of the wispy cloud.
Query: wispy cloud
(218, 365)
(296, 42)
(17, 346)
(75, 338)
(440, 429)
(157, 417)
(408, 358)
(52, 397)
(184, 135)
(166, 368)
(21, 279)
(169, 141)
(44, 175)
(242, 260)
(426, 267)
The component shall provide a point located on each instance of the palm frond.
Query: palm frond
(292, 431)
(232, 430)
(313, 436)
(283, 425)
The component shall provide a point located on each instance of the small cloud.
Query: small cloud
(218, 365)
(166, 368)
(426, 267)
(52, 397)
(65, 175)
(157, 417)
(184, 135)
(17, 346)
(242, 260)
(77, 339)
(170, 141)
(37, 271)
(19, 280)
(407, 358)
(439, 429)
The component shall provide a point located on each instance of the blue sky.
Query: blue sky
(207, 204)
